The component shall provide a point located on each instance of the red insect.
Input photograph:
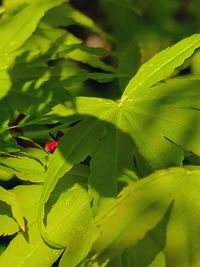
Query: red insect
(51, 146)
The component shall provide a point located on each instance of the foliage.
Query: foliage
(122, 188)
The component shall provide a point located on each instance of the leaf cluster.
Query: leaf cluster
(122, 188)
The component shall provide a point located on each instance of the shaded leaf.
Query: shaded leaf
(109, 163)
(164, 121)
(66, 15)
(10, 198)
(72, 149)
(116, 145)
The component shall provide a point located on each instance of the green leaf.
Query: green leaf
(159, 261)
(116, 146)
(5, 176)
(160, 129)
(109, 163)
(72, 149)
(2, 248)
(20, 28)
(66, 15)
(17, 30)
(26, 168)
(152, 244)
(7, 142)
(128, 61)
(160, 67)
(31, 84)
(51, 44)
(120, 29)
(7, 225)
(86, 56)
(79, 249)
(10, 198)
(164, 120)
(30, 251)
(125, 37)
(142, 205)
(165, 123)
(45, 42)
(129, 258)
(68, 217)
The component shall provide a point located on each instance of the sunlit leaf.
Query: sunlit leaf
(5, 176)
(162, 123)
(16, 31)
(22, 25)
(160, 126)
(68, 216)
(160, 67)
(97, 200)
(141, 207)
(7, 225)
(26, 168)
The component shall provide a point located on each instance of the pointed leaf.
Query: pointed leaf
(10, 198)
(7, 225)
(116, 145)
(166, 122)
(66, 15)
(160, 67)
(17, 31)
(142, 205)
(68, 219)
(25, 168)
(160, 126)
(72, 149)
(110, 162)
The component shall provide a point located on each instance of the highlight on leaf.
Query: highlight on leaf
(99, 133)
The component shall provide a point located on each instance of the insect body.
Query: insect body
(51, 146)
